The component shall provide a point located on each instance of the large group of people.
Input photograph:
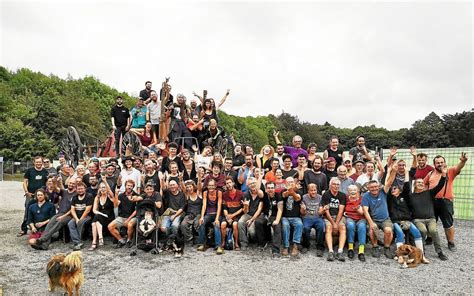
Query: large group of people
(272, 199)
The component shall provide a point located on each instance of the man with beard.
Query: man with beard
(270, 175)
(61, 219)
(125, 202)
(360, 152)
(238, 158)
(443, 204)
(274, 216)
(145, 94)
(48, 166)
(279, 152)
(120, 116)
(153, 112)
(330, 169)
(291, 218)
(110, 176)
(189, 169)
(316, 176)
(294, 150)
(245, 172)
(81, 210)
(179, 118)
(419, 168)
(93, 185)
(34, 179)
(138, 114)
(151, 176)
(194, 108)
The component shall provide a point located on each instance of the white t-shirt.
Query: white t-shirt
(155, 111)
(134, 175)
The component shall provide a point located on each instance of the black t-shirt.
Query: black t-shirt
(254, 203)
(165, 164)
(274, 204)
(153, 179)
(193, 207)
(112, 181)
(337, 156)
(291, 207)
(120, 115)
(81, 204)
(333, 201)
(330, 174)
(155, 197)
(36, 179)
(238, 160)
(291, 173)
(175, 202)
(321, 180)
(145, 94)
(126, 206)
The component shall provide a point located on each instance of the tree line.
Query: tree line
(36, 109)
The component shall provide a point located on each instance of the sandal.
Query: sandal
(93, 247)
(237, 248)
(21, 233)
(101, 242)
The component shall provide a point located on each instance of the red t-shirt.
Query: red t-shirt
(232, 201)
(351, 209)
(421, 173)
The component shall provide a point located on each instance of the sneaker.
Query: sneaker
(388, 253)
(442, 256)
(319, 253)
(219, 251)
(284, 252)
(340, 257)
(350, 254)
(294, 251)
(77, 247)
(120, 244)
(330, 256)
(201, 248)
(452, 247)
(376, 252)
(361, 257)
(129, 244)
(275, 254)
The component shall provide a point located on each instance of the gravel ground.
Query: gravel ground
(109, 271)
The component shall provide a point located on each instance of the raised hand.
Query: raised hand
(413, 150)
(463, 157)
(393, 151)
(276, 133)
(227, 93)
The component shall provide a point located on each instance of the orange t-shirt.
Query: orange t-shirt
(270, 176)
(432, 180)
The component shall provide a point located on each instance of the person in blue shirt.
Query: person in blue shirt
(39, 215)
(138, 114)
(374, 203)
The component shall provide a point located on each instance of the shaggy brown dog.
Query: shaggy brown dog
(66, 271)
(410, 256)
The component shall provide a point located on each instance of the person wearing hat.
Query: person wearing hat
(110, 175)
(359, 167)
(179, 118)
(129, 173)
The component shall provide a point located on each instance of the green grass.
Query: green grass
(14, 177)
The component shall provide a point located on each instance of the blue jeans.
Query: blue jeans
(296, 223)
(171, 226)
(318, 224)
(400, 236)
(208, 220)
(76, 230)
(361, 230)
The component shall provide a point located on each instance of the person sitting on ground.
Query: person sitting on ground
(232, 200)
(334, 203)
(374, 204)
(39, 215)
(210, 214)
(334, 151)
(147, 138)
(355, 221)
(175, 202)
(193, 209)
(58, 221)
(291, 217)
(125, 202)
(103, 210)
(252, 223)
(294, 150)
(423, 210)
(81, 212)
(398, 207)
(310, 208)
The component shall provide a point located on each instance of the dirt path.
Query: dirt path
(109, 271)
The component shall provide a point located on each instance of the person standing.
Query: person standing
(120, 116)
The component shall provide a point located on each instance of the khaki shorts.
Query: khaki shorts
(342, 222)
(119, 221)
(385, 224)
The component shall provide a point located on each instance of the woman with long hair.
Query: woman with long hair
(265, 156)
(193, 209)
(210, 215)
(103, 210)
(312, 148)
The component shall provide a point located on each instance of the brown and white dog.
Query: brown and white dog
(66, 271)
(410, 256)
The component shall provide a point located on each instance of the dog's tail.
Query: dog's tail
(73, 261)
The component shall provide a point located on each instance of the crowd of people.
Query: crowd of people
(272, 199)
